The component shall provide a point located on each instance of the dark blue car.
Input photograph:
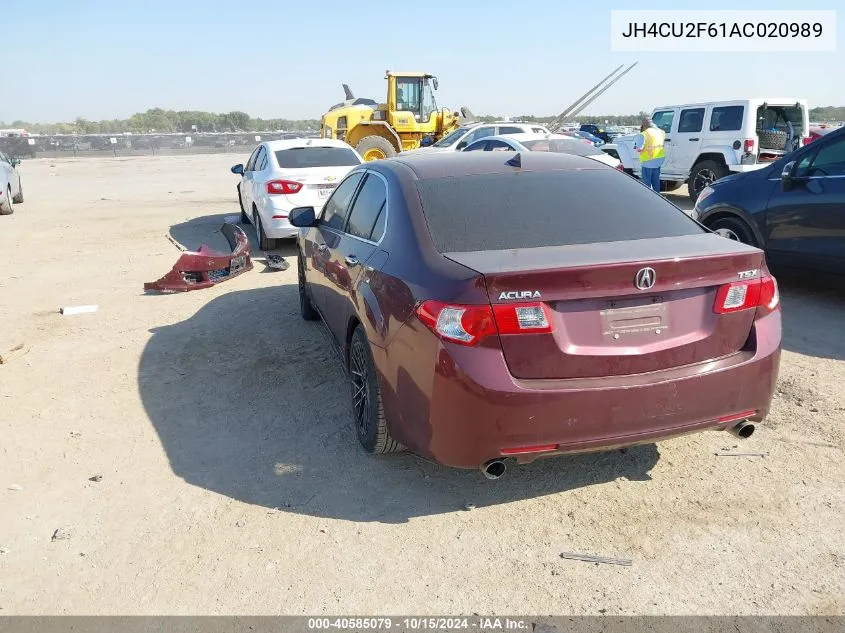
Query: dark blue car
(794, 209)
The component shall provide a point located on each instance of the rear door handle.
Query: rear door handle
(695, 139)
(351, 260)
(666, 140)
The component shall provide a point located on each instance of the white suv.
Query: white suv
(466, 134)
(706, 141)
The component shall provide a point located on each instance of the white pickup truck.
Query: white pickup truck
(706, 141)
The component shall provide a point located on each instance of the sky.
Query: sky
(106, 59)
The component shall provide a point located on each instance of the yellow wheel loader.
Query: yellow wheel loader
(408, 120)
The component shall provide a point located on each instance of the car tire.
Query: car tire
(375, 148)
(703, 174)
(244, 216)
(306, 306)
(733, 229)
(367, 406)
(6, 203)
(264, 242)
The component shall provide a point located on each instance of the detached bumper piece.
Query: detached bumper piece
(206, 267)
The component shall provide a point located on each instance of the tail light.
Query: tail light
(748, 147)
(275, 187)
(759, 294)
(587, 141)
(806, 140)
(469, 324)
(620, 167)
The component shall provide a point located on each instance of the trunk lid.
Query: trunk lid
(603, 325)
(318, 184)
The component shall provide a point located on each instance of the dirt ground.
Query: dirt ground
(232, 483)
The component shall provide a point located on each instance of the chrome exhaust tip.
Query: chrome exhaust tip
(742, 430)
(493, 469)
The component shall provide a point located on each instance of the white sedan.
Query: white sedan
(283, 175)
(559, 143)
(11, 191)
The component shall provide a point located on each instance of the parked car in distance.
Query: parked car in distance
(793, 208)
(466, 134)
(604, 132)
(487, 308)
(595, 140)
(818, 131)
(11, 190)
(284, 174)
(708, 141)
(558, 143)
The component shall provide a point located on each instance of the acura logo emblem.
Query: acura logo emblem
(645, 278)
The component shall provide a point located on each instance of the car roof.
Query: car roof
(525, 123)
(445, 165)
(533, 136)
(289, 143)
(775, 101)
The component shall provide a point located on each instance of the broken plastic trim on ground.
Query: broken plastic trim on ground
(206, 267)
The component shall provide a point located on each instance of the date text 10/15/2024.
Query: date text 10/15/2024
(419, 624)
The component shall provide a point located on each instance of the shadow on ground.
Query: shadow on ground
(813, 313)
(206, 229)
(251, 402)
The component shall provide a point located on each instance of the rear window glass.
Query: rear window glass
(302, 157)
(726, 119)
(533, 209)
(562, 146)
(778, 118)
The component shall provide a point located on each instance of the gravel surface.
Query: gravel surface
(194, 453)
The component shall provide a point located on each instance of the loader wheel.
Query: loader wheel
(375, 148)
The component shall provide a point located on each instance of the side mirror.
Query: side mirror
(238, 169)
(15, 162)
(302, 217)
(461, 145)
(786, 176)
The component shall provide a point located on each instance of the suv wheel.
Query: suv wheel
(733, 229)
(703, 174)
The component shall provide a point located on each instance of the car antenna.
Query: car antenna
(516, 161)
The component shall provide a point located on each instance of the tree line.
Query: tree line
(168, 121)
(193, 121)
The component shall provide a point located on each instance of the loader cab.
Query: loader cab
(410, 100)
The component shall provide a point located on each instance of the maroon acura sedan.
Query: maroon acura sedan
(492, 305)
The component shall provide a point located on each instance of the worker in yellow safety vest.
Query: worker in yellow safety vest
(649, 144)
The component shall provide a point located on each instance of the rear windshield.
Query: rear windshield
(316, 157)
(777, 118)
(563, 146)
(532, 209)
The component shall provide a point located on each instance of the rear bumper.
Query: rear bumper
(279, 227)
(477, 408)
